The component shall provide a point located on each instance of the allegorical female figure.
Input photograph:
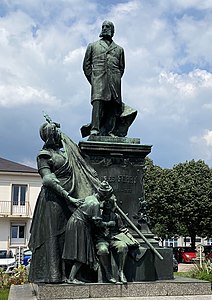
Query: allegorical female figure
(65, 177)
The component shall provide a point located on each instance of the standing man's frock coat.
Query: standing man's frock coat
(103, 67)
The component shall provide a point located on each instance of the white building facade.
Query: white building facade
(186, 242)
(19, 189)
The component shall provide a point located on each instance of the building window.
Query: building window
(209, 241)
(19, 203)
(187, 240)
(18, 233)
(19, 194)
(171, 242)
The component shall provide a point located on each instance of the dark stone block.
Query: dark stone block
(164, 268)
(122, 164)
(148, 268)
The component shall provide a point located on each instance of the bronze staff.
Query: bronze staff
(138, 231)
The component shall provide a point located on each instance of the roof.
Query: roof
(10, 166)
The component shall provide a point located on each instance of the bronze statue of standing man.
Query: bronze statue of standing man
(103, 67)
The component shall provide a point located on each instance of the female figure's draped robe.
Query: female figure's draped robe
(53, 211)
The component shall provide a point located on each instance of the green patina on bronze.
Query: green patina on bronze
(67, 179)
(103, 66)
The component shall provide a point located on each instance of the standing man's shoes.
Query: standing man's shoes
(94, 132)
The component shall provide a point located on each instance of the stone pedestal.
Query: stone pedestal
(121, 161)
(150, 267)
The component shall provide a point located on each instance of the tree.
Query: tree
(159, 193)
(180, 199)
(193, 198)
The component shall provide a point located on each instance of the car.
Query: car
(189, 255)
(184, 254)
(175, 264)
(7, 261)
(26, 257)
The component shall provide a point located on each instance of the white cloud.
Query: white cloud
(187, 84)
(184, 87)
(202, 146)
(197, 4)
(208, 137)
(74, 56)
(18, 95)
(194, 38)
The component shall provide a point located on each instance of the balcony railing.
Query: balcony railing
(8, 209)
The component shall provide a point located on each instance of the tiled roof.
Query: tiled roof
(10, 166)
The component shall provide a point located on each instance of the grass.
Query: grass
(182, 274)
(4, 293)
(200, 275)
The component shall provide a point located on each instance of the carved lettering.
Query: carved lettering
(120, 179)
(127, 179)
(124, 190)
(109, 179)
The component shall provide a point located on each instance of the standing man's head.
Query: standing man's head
(107, 30)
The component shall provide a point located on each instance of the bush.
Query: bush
(203, 272)
(19, 276)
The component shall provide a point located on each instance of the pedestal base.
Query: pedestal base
(121, 161)
(150, 267)
(176, 287)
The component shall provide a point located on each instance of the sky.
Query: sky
(168, 75)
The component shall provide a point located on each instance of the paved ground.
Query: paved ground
(185, 267)
(198, 297)
(22, 292)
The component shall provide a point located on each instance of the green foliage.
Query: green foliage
(182, 274)
(203, 272)
(19, 276)
(205, 268)
(4, 293)
(159, 190)
(179, 199)
(193, 198)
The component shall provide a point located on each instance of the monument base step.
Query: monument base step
(179, 286)
(178, 289)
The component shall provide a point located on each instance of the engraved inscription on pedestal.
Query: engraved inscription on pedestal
(122, 165)
(127, 182)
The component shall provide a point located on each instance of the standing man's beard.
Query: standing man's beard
(106, 34)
